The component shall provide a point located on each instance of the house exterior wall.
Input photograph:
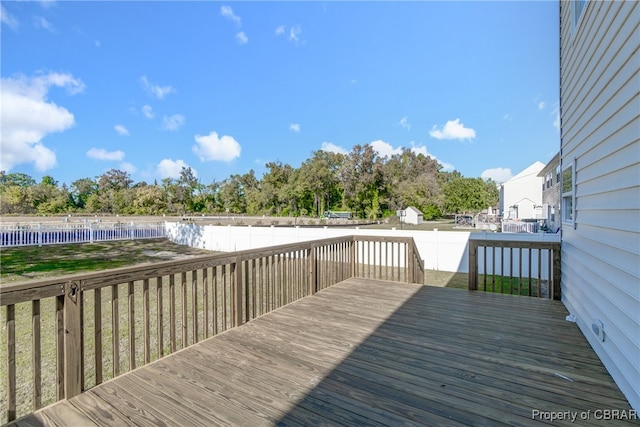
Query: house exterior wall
(524, 191)
(551, 193)
(600, 159)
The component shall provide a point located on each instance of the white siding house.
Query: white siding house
(600, 172)
(412, 216)
(521, 196)
(551, 193)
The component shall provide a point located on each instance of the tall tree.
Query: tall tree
(469, 195)
(361, 176)
(16, 178)
(81, 189)
(319, 178)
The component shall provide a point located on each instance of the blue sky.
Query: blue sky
(225, 87)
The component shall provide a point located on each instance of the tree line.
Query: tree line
(362, 182)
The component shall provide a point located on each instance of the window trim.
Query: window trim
(569, 195)
(577, 11)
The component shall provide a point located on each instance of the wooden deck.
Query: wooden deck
(366, 352)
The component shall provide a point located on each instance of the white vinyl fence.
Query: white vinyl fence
(439, 250)
(39, 234)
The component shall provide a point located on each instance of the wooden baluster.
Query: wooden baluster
(159, 317)
(132, 327)
(115, 333)
(11, 361)
(36, 355)
(146, 324)
(72, 339)
(183, 296)
(205, 301)
(97, 333)
(172, 313)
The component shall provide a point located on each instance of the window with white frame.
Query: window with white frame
(568, 194)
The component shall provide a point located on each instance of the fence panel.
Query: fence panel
(40, 234)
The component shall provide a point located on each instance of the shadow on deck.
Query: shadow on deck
(367, 352)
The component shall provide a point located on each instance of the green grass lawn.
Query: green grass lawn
(34, 262)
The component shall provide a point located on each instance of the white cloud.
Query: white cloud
(156, 90)
(8, 19)
(280, 30)
(102, 154)
(499, 175)
(46, 3)
(404, 122)
(174, 122)
(453, 129)
(147, 111)
(227, 12)
(294, 127)
(385, 149)
(242, 38)
(128, 167)
(27, 116)
(121, 130)
(168, 168)
(211, 147)
(41, 22)
(333, 148)
(294, 34)
(541, 105)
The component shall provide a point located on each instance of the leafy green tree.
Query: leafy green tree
(469, 195)
(15, 199)
(361, 176)
(412, 180)
(81, 189)
(319, 179)
(148, 200)
(20, 179)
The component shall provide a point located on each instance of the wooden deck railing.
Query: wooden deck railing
(65, 335)
(530, 268)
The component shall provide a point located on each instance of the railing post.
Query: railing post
(72, 339)
(313, 278)
(352, 256)
(411, 260)
(557, 274)
(473, 266)
(237, 291)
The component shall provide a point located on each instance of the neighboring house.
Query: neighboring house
(550, 175)
(600, 173)
(411, 216)
(521, 196)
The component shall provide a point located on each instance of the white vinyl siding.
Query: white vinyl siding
(600, 123)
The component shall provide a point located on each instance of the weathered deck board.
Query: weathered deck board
(366, 352)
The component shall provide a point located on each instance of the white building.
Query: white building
(412, 216)
(521, 196)
(600, 176)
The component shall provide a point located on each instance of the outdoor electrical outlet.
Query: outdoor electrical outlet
(598, 328)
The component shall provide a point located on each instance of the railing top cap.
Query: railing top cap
(516, 237)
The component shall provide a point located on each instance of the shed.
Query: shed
(412, 216)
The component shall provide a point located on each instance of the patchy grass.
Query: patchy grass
(34, 262)
(447, 279)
